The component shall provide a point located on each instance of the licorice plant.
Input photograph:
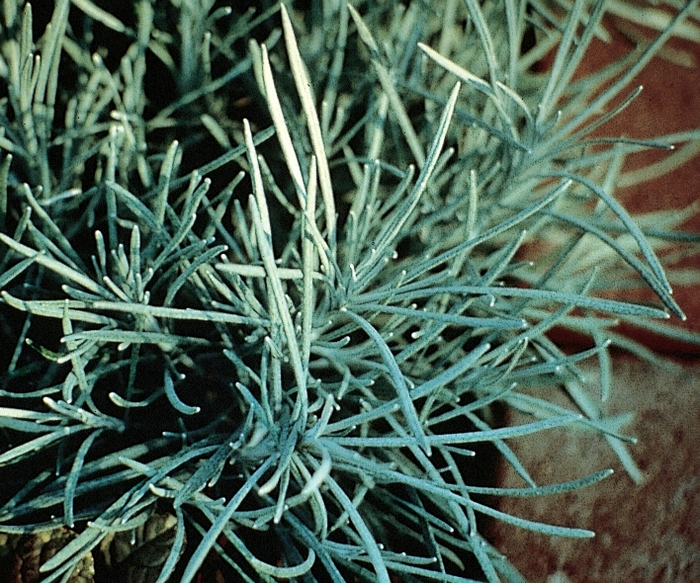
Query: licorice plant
(274, 274)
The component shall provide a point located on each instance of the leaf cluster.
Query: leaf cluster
(287, 299)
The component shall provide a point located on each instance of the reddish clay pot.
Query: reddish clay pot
(669, 103)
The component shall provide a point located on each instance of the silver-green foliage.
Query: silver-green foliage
(310, 347)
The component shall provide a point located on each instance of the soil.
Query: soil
(646, 533)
